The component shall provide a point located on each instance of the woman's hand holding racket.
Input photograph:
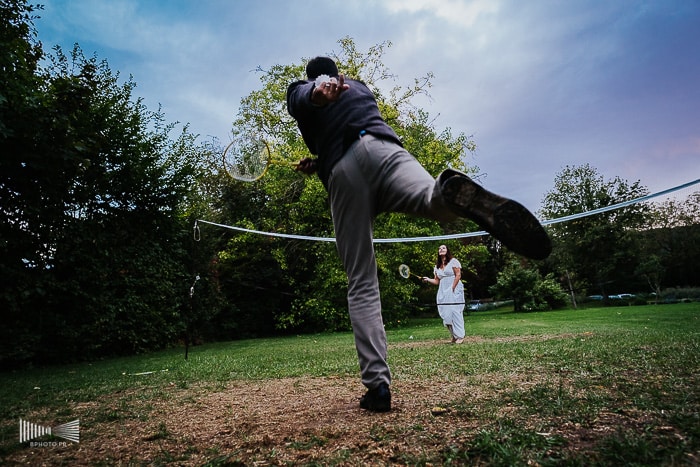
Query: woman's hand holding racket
(405, 272)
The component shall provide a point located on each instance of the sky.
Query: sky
(540, 85)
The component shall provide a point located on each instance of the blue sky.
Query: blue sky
(539, 84)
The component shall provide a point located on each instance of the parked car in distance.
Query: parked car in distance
(622, 296)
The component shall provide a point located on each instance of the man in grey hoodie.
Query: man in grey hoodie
(366, 171)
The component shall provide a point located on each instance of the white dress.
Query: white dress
(451, 314)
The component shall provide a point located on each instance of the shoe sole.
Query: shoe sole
(384, 406)
(507, 220)
(376, 408)
(374, 403)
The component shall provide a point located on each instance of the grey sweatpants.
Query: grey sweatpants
(374, 176)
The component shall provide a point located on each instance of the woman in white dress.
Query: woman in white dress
(450, 296)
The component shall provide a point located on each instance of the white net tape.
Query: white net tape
(459, 235)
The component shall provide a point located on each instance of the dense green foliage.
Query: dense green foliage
(528, 290)
(672, 244)
(92, 239)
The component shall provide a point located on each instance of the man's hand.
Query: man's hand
(329, 91)
(306, 166)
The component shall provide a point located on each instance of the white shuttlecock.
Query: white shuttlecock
(324, 79)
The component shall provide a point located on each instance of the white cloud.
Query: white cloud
(460, 12)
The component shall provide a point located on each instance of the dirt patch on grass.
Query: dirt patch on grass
(307, 421)
(270, 422)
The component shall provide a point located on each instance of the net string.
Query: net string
(451, 236)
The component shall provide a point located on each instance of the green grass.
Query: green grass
(558, 371)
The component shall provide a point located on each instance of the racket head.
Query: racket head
(247, 158)
(404, 271)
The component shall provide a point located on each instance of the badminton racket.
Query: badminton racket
(248, 158)
(405, 272)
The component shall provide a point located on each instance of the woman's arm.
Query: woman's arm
(434, 280)
(458, 276)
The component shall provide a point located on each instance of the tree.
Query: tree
(93, 236)
(528, 290)
(598, 252)
(305, 286)
(671, 243)
(19, 54)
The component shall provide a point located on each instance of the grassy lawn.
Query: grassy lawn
(605, 386)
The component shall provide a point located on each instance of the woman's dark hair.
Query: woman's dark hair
(448, 257)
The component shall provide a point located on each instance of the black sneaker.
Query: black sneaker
(507, 220)
(377, 399)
